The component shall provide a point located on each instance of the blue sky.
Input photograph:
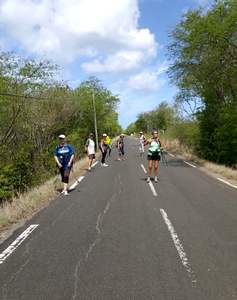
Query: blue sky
(122, 42)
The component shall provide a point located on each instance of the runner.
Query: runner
(120, 146)
(108, 142)
(90, 148)
(64, 156)
(103, 149)
(153, 155)
(142, 141)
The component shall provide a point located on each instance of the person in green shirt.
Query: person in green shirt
(153, 155)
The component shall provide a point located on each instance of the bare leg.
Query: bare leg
(65, 187)
(156, 165)
(150, 165)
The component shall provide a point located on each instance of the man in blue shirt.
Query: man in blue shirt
(64, 156)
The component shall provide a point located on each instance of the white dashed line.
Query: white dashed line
(152, 189)
(7, 252)
(73, 186)
(178, 245)
(143, 168)
(190, 164)
(172, 155)
(228, 183)
(94, 164)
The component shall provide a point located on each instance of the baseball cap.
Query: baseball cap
(62, 136)
(104, 134)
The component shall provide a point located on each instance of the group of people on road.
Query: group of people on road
(65, 155)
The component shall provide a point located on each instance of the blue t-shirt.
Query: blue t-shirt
(64, 154)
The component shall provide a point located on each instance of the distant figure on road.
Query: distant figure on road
(108, 142)
(142, 141)
(90, 148)
(64, 157)
(153, 155)
(120, 146)
(104, 149)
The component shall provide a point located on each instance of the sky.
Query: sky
(122, 42)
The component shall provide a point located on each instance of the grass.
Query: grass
(27, 204)
(221, 170)
(22, 208)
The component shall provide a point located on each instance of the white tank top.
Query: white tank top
(91, 147)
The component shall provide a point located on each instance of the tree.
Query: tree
(204, 54)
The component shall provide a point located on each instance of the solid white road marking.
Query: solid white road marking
(73, 186)
(17, 243)
(172, 155)
(152, 189)
(94, 164)
(144, 169)
(190, 164)
(228, 183)
(178, 245)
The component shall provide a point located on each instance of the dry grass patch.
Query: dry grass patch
(184, 152)
(29, 203)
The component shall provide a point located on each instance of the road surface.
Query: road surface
(117, 237)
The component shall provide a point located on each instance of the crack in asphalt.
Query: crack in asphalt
(5, 287)
(98, 228)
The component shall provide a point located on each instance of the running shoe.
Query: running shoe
(66, 193)
(156, 179)
(148, 180)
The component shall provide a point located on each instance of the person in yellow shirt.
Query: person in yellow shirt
(108, 142)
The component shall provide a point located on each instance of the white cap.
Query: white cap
(62, 136)
(141, 132)
(104, 134)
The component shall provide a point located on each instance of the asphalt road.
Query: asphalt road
(114, 238)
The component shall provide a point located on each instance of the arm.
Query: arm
(56, 158)
(72, 156)
(146, 142)
(57, 162)
(71, 160)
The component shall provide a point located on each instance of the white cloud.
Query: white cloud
(145, 81)
(121, 61)
(104, 32)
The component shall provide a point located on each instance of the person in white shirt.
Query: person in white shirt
(90, 148)
(142, 141)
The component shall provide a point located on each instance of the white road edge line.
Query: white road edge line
(228, 183)
(143, 168)
(94, 164)
(178, 245)
(72, 187)
(190, 164)
(152, 189)
(9, 250)
(172, 155)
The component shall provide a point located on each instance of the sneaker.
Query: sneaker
(66, 193)
(148, 180)
(156, 179)
(105, 165)
(89, 169)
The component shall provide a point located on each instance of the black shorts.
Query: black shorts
(91, 156)
(121, 151)
(155, 157)
(65, 174)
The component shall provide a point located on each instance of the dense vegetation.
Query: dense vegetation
(34, 109)
(204, 67)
